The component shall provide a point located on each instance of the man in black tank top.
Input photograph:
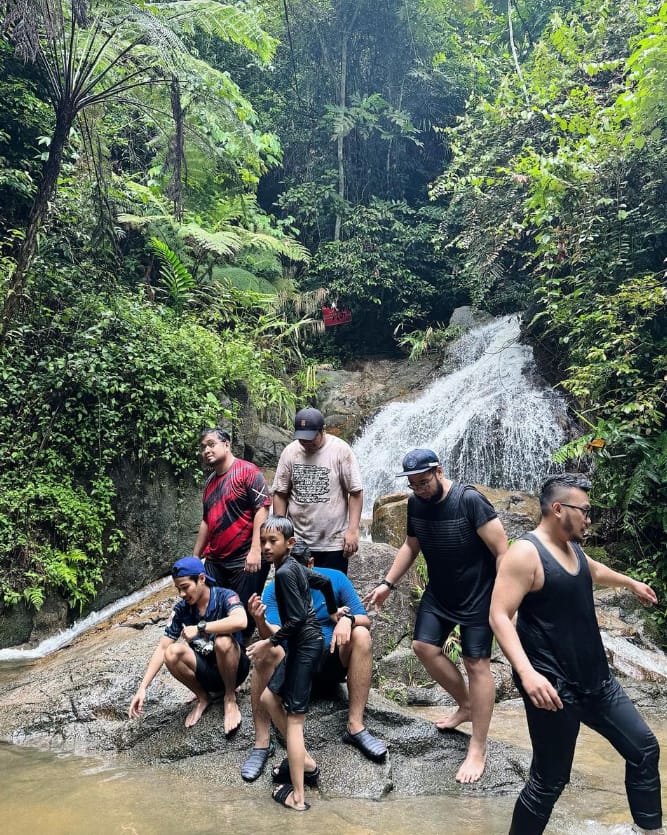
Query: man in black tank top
(459, 533)
(559, 662)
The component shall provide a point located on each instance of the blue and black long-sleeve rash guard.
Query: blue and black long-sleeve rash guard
(297, 616)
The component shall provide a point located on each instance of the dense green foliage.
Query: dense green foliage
(558, 180)
(123, 329)
(163, 240)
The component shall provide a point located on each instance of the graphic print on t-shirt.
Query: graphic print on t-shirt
(310, 485)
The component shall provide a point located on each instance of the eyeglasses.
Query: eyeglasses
(585, 510)
(421, 485)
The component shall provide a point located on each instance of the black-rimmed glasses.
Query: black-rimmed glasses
(585, 510)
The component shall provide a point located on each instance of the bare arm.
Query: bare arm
(202, 539)
(404, 558)
(351, 536)
(604, 576)
(280, 503)
(236, 621)
(494, 537)
(516, 577)
(253, 560)
(154, 666)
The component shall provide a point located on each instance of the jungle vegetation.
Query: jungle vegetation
(182, 182)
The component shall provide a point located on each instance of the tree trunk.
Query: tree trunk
(38, 213)
(342, 98)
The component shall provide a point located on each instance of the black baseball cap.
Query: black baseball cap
(419, 461)
(307, 423)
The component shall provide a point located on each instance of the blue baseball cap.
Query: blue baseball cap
(190, 567)
(419, 461)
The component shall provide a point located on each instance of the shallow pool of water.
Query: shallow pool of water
(42, 793)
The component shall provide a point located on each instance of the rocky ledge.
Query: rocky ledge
(76, 700)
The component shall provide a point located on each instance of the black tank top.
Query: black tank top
(558, 628)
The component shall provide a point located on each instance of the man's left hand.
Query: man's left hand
(351, 541)
(253, 562)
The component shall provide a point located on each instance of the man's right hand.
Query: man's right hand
(256, 609)
(137, 704)
(541, 691)
(377, 597)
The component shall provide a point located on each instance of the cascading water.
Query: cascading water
(487, 418)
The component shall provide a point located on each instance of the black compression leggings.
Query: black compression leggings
(553, 735)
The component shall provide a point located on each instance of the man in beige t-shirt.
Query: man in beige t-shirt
(318, 485)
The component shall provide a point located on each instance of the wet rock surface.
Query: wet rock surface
(76, 700)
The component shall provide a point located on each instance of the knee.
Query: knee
(649, 750)
(268, 699)
(423, 651)
(477, 667)
(361, 640)
(224, 644)
(174, 653)
(540, 795)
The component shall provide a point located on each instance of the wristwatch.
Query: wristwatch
(389, 585)
(201, 628)
(352, 618)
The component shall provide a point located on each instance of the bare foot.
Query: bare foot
(196, 713)
(457, 718)
(472, 767)
(232, 716)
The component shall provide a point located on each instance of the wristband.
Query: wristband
(389, 585)
(201, 628)
(352, 618)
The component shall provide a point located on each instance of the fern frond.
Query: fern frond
(229, 23)
(177, 278)
(225, 243)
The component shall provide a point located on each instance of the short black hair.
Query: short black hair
(279, 523)
(557, 486)
(223, 434)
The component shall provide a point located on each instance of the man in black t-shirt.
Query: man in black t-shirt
(461, 537)
(559, 661)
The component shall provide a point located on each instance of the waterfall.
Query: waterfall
(487, 418)
(66, 636)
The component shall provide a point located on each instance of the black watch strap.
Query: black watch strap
(352, 617)
(389, 585)
(201, 626)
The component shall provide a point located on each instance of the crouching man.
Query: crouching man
(211, 660)
(347, 655)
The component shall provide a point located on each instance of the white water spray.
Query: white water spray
(487, 419)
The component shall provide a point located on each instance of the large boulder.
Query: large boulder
(347, 397)
(76, 700)
(519, 512)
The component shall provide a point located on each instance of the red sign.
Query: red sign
(335, 316)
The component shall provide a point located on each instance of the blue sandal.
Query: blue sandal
(369, 746)
(256, 762)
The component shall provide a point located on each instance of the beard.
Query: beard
(437, 496)
(572, 535)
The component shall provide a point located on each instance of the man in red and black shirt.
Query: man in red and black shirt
(236, 503)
